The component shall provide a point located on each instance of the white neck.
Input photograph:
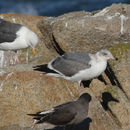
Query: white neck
(100, 58)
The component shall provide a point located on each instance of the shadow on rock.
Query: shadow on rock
(86, 83)
(101, 78)
(112, 77)
(84, 125)
(106, 98)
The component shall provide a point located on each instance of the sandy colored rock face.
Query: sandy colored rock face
(93, 31)
(24, 91)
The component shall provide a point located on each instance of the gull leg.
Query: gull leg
(9, 56)
(16, 60)
(79, 87)
(27, 57)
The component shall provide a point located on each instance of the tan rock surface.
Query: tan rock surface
(23, 90)
(83, 31)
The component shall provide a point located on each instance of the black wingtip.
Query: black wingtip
(32, 114)
(36, 118)
(37, 68)
(39, 65)
(41, 68)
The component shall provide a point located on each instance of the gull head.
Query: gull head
(105, 55)
(33, 41)
(85, 96)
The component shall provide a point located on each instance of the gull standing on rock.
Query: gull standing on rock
(70, 113)
(78, 66)
(15, 37)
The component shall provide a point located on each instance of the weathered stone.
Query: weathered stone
(122, 69)
(102, 121)
(120, 110)
(27, 92)
(82, 31)
(24, 91)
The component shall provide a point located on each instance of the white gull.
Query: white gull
(16, 36)
(78, 66)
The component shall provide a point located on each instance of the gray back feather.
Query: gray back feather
(71, 63)
(8, 31)
(77, 56)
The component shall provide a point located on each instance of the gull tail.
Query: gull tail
(43, 68)
(41, 117)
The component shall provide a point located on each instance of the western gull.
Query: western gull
(78, 66)
(16, 36)
(69, 113)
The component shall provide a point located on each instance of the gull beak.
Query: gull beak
(33, 51)
(114, 58)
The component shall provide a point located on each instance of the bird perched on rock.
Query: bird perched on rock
(70, 113)
(78, 66)
(16, 36)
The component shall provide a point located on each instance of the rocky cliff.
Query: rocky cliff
(23, 90)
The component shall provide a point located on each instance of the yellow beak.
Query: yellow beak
(33, 51)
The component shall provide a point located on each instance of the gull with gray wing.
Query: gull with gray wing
(78, 66)
(16, 36)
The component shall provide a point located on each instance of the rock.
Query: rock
(24, 91)
(83, 31)
(119, 110)
(122, 69)
(101, 118)
(16, 127)
(28, 92)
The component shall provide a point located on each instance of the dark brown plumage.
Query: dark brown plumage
(69, 113)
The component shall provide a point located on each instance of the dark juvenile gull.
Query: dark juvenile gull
(78, 66)
(16, 36)
(70, 113)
